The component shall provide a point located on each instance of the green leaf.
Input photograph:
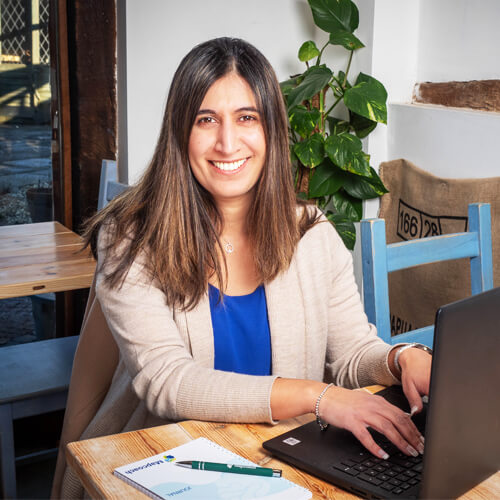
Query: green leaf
(316, 78)
(345, 150)
(326, 180)
(289, 85)
(344, 227)
(367, 98)
(334, 15)
(362, 126)
(347, 205)
(365, 188)
(303, 121)
(308, 51)
(311, 151)
(346, 39)
(337, 126)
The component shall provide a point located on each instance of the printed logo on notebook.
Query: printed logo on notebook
(169, 458)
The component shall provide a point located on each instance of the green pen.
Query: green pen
(235, 469)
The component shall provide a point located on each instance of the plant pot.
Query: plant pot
(40, 204)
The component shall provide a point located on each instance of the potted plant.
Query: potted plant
(331, 168)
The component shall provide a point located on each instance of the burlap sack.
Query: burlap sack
(419, 205)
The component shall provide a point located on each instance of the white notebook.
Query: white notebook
(159, 477)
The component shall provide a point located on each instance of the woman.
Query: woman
(229, 300)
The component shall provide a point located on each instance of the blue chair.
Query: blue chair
(109, 187)
(379, 259)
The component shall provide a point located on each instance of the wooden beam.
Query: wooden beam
(93, 99)
(481, 95)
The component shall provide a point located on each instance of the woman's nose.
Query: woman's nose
(227, 139)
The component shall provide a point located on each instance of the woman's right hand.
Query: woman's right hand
(356, 410)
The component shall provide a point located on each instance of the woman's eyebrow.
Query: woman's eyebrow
(239, 110)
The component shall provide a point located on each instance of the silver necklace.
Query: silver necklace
(228, 247)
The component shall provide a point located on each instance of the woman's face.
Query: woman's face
(227, 146)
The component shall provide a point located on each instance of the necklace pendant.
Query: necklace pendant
(228, 247)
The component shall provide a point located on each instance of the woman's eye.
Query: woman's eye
(207, 119)
(247, 118)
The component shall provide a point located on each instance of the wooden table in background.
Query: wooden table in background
(95, 459)
(42, 258)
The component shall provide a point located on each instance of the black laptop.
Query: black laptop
(461, 421)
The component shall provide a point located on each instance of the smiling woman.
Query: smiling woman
(225, 297)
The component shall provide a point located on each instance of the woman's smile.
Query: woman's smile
(229, 166)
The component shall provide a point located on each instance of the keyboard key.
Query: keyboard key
(391, 473)
(404, 463)
(360, 467)
(371, 472)
(409, 473)
(402, 477)
(405, 486)
(418, 467)
(379, 468)
(397, 469)
(413, 481)
(360, 457)
(352, 471)
(384, 477)
(387, 486)
(345, 468)
(397, 491)
(385, 463)
(395, 481)
(370, 479)
(350, 463)
(368, 463)
(342, 467)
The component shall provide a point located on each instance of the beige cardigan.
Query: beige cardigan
(319, 331)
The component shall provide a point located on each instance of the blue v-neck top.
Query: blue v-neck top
(242, 340)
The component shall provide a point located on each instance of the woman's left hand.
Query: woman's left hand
(415, 376)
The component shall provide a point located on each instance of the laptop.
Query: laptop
(461, 421)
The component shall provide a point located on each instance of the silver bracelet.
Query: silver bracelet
(408, 346)
(322, 425)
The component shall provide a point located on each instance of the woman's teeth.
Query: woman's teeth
(228, 166)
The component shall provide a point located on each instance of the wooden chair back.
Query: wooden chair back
(380, 259)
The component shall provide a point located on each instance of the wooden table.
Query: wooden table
(41, 258)
(95, 459)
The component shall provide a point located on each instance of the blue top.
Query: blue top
(242, 340)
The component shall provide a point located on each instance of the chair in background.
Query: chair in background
(109, 187)
(379, 259)
(34, 378)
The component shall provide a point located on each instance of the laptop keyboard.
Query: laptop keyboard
(395, 475)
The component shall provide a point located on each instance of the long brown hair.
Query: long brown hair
(170, 217)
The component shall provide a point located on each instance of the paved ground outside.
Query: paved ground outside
(25, 162)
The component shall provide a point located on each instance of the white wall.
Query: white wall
(448, 142)
(429, 40)
(159, 33)
(459, 40)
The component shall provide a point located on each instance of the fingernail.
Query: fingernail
(422, 439)
(425, 399)
(383, 454)
(420, 448)
(414, 409)
(412, 451)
